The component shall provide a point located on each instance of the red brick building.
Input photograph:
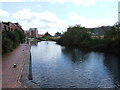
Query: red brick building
(27, 34)
(32, 32)
(10, 26)
(40, 35)
(46, 34)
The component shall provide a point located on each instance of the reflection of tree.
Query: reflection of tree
(113, 64)
(76, 55)
(34, 43)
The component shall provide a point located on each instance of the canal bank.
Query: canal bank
(26, 77)
(17, 76)
(12, 67)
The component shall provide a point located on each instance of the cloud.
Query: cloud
(44, 21)
(91, 22)
(3, 13)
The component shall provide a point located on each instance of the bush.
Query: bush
(11, 39)
(75, 36)
(7, 45)
(80, 37)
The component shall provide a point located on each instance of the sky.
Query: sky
(56, 15)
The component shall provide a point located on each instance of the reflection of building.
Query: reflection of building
(9, 26)
(32, 32)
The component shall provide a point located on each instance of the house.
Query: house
(9, 26)
(47, 35)
(40, 35)
(27, 34)
(19, 27)
(32, 32)
(99, 30)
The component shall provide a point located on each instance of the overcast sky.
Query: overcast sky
(57, 15)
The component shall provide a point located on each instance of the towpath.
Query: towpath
(11, 76)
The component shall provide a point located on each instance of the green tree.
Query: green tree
(111, 34)
(20, 35)
(80, 37)
(75, 36)
(57, 34)
(11, 39)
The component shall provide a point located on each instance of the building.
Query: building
(19, 27)
(47, 35)
(32, 32)
(119, 12)
(9, 26)
(40, 35)
(99, 31)
(27, 34)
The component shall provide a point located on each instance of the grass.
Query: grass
(35, 40)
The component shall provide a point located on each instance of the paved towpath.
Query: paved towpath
(11, 76)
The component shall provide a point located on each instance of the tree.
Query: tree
(57, 34)
(111, 34)
(75, 36)
(20, 35)
(11, 39)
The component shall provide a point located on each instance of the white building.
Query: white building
(119, 11)
(33, 32)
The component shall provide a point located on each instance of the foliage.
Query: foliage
(77, 36)
(11, 39)
(7, 45)
(31, 36)
(20, 35)
(57, 34)
(35, 40)
(111, 34)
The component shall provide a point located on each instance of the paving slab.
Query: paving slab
(10, 75)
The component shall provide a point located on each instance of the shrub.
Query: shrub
(11, 39)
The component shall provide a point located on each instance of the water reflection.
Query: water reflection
(34, 43)
(113, 65)
(75, 54)
(55, 66)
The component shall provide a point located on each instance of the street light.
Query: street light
(0, 25)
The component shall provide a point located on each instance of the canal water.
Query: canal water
(54, 66)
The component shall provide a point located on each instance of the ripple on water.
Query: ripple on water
(58, 67)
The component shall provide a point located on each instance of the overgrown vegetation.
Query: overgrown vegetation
(11, 39)
(80, 37)
(35, 40)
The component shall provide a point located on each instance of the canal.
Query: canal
(54, 66)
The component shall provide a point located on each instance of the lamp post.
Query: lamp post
(0, 25)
